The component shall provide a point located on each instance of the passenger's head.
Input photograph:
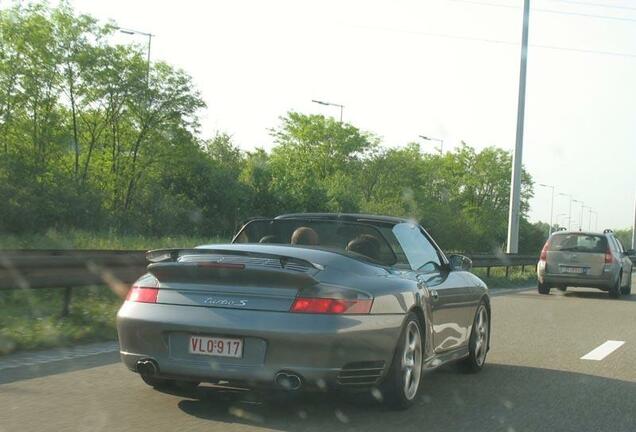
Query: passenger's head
(366, 245)
(304, 236)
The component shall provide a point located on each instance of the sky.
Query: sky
(447, 69)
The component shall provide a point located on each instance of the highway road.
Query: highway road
(535, 380)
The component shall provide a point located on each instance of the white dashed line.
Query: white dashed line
(603, 350)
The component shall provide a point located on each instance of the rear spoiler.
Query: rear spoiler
(172, 255)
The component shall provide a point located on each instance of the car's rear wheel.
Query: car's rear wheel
(543, 288)
(479, 341)
(627, 289)
(402, 383)
(615, 290)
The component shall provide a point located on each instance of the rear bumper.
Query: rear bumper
(316, 347)
(603, 282)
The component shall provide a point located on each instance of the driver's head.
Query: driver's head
(366, 245)
(305, 236)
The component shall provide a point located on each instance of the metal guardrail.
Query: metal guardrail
(74, 268)
(27, 269)
(503, 260)
(69, 268)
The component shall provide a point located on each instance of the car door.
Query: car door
(451, 295)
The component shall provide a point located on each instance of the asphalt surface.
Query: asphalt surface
(534, 380)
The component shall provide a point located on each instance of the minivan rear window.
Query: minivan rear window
(579, 243)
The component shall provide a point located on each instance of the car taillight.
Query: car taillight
(142, 294)
(609, 259)
(544, 251)
(330, 306)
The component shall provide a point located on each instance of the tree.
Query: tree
(87, 141)
(314, 163)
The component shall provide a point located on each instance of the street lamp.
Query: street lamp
(551, 205)
(149, 35)
(595, 220)
(441, 142)
(581, 214)
(330, 104)
(569, 211)
(589, 213)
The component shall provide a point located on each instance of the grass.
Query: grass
(78, 239)
(30, 319)
(516, 278)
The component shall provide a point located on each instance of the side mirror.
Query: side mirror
(460, 263)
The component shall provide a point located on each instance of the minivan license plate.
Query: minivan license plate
(577, 270)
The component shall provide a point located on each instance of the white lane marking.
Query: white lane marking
(603, 350)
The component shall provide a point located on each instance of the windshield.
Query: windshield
(579, 243)
(361, 240)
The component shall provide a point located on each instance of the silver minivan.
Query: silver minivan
(584, 259)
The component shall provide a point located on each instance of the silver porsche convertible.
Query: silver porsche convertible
(307, 302)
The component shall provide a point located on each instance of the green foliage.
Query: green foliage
(315, 162)
(93, 139)
(31, 318)
(82, 239)
(625, 237)
(85, 136)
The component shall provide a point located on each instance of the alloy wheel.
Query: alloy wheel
(481, 336)
(412, 360)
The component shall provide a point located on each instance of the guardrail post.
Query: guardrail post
(488, 271)
(507, 271)
(68, 291)
(523, 268)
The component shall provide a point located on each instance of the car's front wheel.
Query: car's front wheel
(479, 341)
(402, 383)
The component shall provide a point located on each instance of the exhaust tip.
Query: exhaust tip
(147, 367)
(288, 380)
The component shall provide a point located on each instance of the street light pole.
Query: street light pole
(330, 104)
(441, 142)
(595, 220)
(569, 211)
(515, 181)
(149, 35)
(581, 214)
(634, 227)
(551, 205)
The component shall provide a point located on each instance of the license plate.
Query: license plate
(216, 346)
(577, 270)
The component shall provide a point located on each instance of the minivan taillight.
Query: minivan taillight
(544, 251)
(330, 306)
(609, 259)
(142, 294)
